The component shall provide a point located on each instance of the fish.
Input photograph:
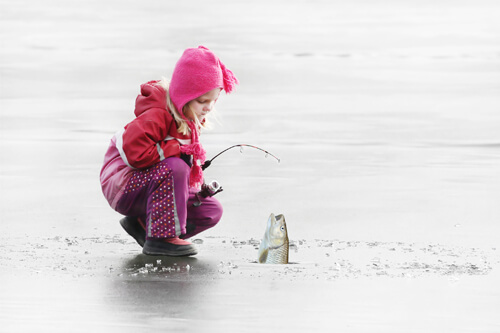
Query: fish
(274, 246)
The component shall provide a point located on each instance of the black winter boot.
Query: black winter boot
(134, 228)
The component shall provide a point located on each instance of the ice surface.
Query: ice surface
(384, 116)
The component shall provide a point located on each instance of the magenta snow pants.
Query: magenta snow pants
(160, 197)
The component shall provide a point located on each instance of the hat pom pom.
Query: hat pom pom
(230, 81)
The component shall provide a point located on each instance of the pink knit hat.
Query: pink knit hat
(197, 72)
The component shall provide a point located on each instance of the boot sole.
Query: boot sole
(181, 251)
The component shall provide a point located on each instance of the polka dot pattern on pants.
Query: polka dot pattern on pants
(161, 203)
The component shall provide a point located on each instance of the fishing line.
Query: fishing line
(208, 162)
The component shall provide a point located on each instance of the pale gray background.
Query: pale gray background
(385, 115)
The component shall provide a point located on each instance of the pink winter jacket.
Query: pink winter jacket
(150, 138)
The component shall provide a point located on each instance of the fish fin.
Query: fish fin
(270, 221)
(263, 256)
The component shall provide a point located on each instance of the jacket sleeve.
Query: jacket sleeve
(143, 142)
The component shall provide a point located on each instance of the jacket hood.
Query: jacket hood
(152, 96)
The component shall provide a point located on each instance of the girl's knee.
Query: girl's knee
(203, 217)
(213, 211)
(207, 214)
(216, 210)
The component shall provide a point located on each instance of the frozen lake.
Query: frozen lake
(385, 118)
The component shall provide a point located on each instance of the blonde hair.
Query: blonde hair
(182, 123)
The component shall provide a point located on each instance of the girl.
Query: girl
(152, 172)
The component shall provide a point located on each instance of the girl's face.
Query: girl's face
(202, 105)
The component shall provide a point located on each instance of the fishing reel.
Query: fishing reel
(208, 190)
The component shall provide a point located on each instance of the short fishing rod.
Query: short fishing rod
(209, 162)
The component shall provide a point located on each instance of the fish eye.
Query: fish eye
(282, 228)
